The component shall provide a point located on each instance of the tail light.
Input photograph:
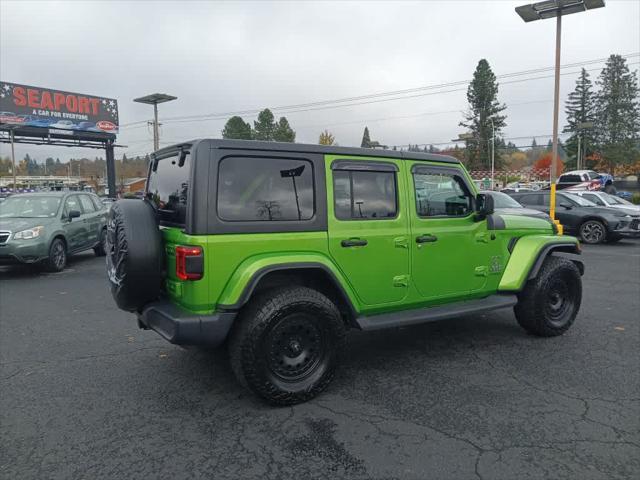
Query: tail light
(189, 263)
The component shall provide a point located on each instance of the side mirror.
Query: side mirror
(484, 206)
(73, 214)
(565, 205)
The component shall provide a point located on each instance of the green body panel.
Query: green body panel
(391, 273)
(524, 256)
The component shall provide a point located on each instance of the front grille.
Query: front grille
(4, 236)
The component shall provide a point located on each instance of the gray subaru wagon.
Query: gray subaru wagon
(45, 228)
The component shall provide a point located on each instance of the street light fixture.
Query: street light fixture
(541, 11)
(154, 99)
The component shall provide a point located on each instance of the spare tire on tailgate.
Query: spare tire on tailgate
(134, 254)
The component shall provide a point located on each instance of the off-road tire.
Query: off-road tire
(57, 260)
(549, 303)
(135, 256)
(264, 337)
(593, 232)
(100, 248)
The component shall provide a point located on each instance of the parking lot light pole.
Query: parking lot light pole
(541, 11)
(154, 99)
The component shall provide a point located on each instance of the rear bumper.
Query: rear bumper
(184, 328)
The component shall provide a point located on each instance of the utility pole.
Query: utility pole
(493, 154)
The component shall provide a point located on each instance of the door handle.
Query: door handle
(426, 239)
(354, 242)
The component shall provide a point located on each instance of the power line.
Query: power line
(336, 103)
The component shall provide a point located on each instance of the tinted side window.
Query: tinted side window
(594, 198)
(97, 203)
(441, 194)
(265, 189)
(87, 204)
(72, 203)
(360, 195)
(532, 199)
(168, 188)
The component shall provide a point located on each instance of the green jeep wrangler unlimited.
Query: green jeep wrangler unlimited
(277, 249)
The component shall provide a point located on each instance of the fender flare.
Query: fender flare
(260, 273)
(528, 255)
(569, 248)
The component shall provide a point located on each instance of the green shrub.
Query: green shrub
(636, 198)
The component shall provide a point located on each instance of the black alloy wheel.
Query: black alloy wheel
(296, 348)
(592, 232)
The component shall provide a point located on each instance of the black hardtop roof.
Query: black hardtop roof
(305, 148)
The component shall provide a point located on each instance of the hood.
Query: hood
(525, 219)
(529, 212)
(19, 224)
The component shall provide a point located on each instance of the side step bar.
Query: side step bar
(431, 314)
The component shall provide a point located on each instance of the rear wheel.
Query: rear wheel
(101, 250)
(609, 188)
(286, 344)
(57, 259)
(549, 303)
(593, 231)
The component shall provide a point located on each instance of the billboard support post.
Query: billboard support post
(13, 161)
(111, 169)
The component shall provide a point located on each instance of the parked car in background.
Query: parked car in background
(583, 218)
(503, 203)
(604, 199)
(45, 228)
(576, 180)
(63, 124)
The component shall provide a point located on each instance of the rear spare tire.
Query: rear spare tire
(134, 254)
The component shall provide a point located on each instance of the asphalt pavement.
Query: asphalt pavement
(84, 394)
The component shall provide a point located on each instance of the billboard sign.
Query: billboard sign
(56, 110)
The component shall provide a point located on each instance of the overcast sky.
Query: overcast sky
(229, 56)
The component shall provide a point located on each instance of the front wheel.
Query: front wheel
(549, 303)
(593, 231)
(286, 344)
(57, 259)
(101, 249)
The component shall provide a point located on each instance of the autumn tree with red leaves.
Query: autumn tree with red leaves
(544, 162)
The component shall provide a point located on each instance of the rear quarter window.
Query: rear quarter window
(265, 189)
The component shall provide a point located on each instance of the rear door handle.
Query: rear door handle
(426, 239)
(354, 242)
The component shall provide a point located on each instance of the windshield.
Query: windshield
(502, 200)
(583, 202)
(29, 207)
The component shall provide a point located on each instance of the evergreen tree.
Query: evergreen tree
(366, 139)
(484, 108)
(617, 112)
(237, 128)
(283, 131)
(265, 126)
(579, 108)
